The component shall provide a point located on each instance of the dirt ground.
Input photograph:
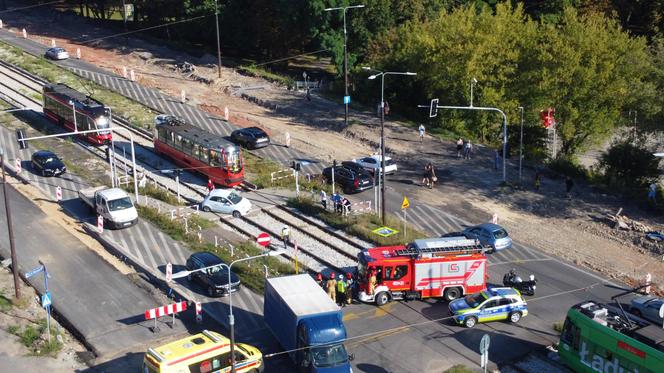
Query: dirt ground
(574, 229)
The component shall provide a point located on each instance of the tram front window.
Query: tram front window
(102, 122)
(234, 160)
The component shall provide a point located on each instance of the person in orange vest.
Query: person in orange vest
(332, 288)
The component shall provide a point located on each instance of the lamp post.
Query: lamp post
(346, 101)
(472, 84)
(231, 319)
(520, 144)
(10, 230)
(216, 23)
(382, 130)
(629, 115)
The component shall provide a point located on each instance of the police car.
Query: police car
(489, 305)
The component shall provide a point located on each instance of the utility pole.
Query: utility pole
(521, 145)
(12, 247)
(216, 23)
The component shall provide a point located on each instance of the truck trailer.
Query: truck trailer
(307, 324)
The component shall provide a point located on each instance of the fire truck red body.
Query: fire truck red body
(438, 267)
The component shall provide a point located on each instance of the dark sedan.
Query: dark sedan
(250, 138)
(351, 181)
(215, 279)
(47, 163)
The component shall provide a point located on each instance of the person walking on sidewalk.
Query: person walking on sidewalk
(332, 288)
(287, 139)
(569, 184)
(652, 193)
(459, 145)
(421, 130)
(538, 179)
(341, 291)
(467, 149)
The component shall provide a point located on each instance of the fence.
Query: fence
(281, 174)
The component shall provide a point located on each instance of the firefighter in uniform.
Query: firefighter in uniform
(332, 287)
(350, 286)
(285, 236)
(319, 280)
(341, 291)
(372, 282)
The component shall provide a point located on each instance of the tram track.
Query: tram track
(338, 257)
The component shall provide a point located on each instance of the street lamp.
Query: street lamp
(10, 230)
(346, 98)
(520, 144)
(472, 84)
(382, 128)
(629, 115)
(216, 23)
(231, 319)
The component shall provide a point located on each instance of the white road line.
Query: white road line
(150, 262)
(434, 218)
(163, 251)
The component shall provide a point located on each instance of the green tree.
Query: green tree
(626, 164)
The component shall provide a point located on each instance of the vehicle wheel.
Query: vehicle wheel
(210, 291)
(382, 298)
(470, 321)
(451, 294)
(236, 214)
(206, 208)
(515, 317)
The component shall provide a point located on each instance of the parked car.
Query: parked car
(57, 53)
(354, 166)
(226, 201)
(492, 304)
(352, 181)
(215, 279)
(372, 164)
(251, 138)
(489, 234)
(47, 163)
(647, 307)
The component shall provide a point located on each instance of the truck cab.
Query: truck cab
(113, 204)
(329, 356)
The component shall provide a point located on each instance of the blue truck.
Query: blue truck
(307, 323)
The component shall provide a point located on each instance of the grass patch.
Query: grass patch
(251, 273)
(32, 337)
(259, 172)
(359, 225)
(137, 114)
(155, 192)
(253, 70)
(460, 369)
(5, 303)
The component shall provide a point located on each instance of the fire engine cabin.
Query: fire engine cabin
(446, 267)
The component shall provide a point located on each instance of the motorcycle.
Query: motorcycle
(511, 279)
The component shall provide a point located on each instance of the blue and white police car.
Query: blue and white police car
(489, 305)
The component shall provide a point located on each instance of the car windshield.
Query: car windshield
(50, 158)
(234, 198)
(218, 271)
(329, 356)
(500, 233)
(389, 162)
(474, 300)
(119, 204)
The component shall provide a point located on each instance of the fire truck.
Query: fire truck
(446, 267)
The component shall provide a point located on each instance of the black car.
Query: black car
(214, 280)
(47, 163)
(251, 138)
(356, 167)
(350, 180)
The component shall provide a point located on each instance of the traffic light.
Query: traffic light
(20, 135)
(295, 166)
(433, 109)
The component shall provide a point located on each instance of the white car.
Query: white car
(226, 201)
(372, 164)
(56, 53)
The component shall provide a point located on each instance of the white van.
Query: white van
(226, 201)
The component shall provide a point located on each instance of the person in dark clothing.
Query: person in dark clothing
(538, 180)
(569, 184)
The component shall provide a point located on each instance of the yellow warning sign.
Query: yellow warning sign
(405, 204)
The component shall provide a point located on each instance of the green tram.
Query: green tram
(596, 338)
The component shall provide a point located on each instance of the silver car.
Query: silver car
(489, 234)
(56, 53)
(648, 308)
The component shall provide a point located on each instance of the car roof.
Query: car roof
(207, 258)
(114, 193)
(44, 153)
(221, 192)
(502, 292)
(488, 226)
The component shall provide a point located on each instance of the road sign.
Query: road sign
(58, 194)
(661, 311)
(100, 224)
(484, 343)
(169, 272)
(346, 99)
(17, 163)
(263, 239)
(34, 272)
(385, 231)
(405, 204)
(46, 299)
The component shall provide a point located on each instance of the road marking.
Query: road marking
(519, 261)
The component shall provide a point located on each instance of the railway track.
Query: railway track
(319, 248)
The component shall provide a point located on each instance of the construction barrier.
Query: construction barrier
(361, 207)
(281, 174)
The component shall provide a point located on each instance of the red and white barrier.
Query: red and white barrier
(360, 207)
(58, 194)
(199, 312)
(165, 310)
(17, 165)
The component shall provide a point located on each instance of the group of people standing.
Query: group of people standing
(339, 289)
(340, 204)
(465, 147)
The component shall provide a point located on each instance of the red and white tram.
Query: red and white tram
(62, 101)
(193, 148)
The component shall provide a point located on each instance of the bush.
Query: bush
(627, 165)
(568, 166)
